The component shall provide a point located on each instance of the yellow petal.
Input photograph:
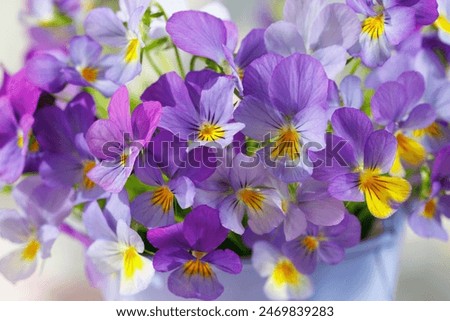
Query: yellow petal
(383, 192)
(132, 262)
(397, 167)
(411, 151)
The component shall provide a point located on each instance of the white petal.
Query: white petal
(14, 268)
(106, 256)
(140, 280)
(286, 291)
(128, 237)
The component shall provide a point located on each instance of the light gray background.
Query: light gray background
(424, 273)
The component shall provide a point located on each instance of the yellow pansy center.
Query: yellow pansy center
(430, 209)
(383, 192)
(286, 273)
(132, 51)
(87, 167)
(210, 132)
(163, 197)
(311, 243)
(373, 26)
(123, 159)
(287, 144)
(132, 262)
(31, 250)
(89, 74)
(197, 267)
(433, 131)
(410, 150)
(251, 198)
(442, 23)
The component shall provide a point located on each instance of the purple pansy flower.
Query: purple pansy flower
(243, 187)
(324, 30)
(16, 121)
(116, 251)
(387, 23)
(349, 94)
(284, 281)
(189, 250)
(284, 103)
(35, 228)
(121, 31)
(172, 173)
(200, 109)
(358, 173)
(118, 140)
(84, 66)
(312, 203)
(395, 106)
(66, 157)
(326, 244)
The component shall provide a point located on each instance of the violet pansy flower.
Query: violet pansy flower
(358, 175)
(326, 244)
(387, 23)
(84, 66)
(284, 102)
(395, 106)
(199, 110)
(189, 250)
(118, 140)
(244, 187)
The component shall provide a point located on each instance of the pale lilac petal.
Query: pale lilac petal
(323, 212)
(401, 24)
(103, 25)
(351, 92)
(303, 260)
(283, 38)
(145, 212)
(14, 227)
(330, 253)
(333, 59)
(184, 190)
(15, 269)
(96, 224)
(294, 223)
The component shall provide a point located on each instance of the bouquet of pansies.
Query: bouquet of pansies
(185, 149)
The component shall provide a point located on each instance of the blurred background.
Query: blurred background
(424, 264)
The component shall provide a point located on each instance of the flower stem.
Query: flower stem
(155, 67)
(77, 235)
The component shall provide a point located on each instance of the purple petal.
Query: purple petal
(119, 110)
(12, 162)
(168, 237)
(220, 93)
(324, 212)
(390, 103)
(330, 253)
(420, 117)
(414, 85)
(346, 188)
(428, 228)
(226, 260)
(45, 71)
(84, 51)
(61, 169)
(298, 81)
(345, 234)
(198, 33)
(252, 47)
(444, 205)
(374, 52)
(294, 223)
(195, 286)
(203, 230)
(303, 260)
(19, 84)
(103, 25)
(169, 259)
(184, 190)
(283, 38)
(145, 212)
(380, 149)
(105, 140)
(145, 119)
(81, 112)
(258, 75)
(169, 90)
(197, 81)
(351, 92)
(232, 35)
(354, 126)
(401, 24)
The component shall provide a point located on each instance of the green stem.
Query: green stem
(177, 52)
(149, 57)
(192, 64)
(357, 63)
